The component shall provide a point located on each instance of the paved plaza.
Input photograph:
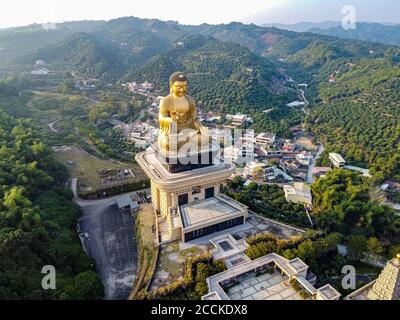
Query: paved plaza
(264, 287)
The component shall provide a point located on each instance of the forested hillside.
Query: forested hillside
(222, 75)
(239, 68)
(15, 42)
(37, 218)
(342, 204)
(359, 115)
(376, 32)
(82, 52)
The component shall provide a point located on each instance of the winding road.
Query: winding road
(51, 126)
(321, 149)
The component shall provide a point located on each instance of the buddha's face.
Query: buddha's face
(179, 88)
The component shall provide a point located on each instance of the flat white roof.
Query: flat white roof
(266, 135)
(297, 190)
(226, 246)
(337, 157)
(328, 292)
(209, 210)
(298, 265)
(296, 104)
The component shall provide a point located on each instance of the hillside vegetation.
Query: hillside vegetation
(37, 219)
(222, 75)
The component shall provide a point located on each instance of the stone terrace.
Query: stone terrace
(264, 287)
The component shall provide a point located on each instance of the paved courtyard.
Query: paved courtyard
(264, 287)
(258, 224)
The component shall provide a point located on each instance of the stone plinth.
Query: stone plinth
(177, 184)
(176, 162)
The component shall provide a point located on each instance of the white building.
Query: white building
(304, 158)
(298, 193)
(248, 150)
(296, 104)
(232, 154)
(271, 277)
(254, 169)
(144, 135)
(147, 86)
(266, 139)
(337, 160)
(243, 151)
(237, 119)
(40, 72)
(248, 136)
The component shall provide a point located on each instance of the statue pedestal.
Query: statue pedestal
(186, 193)
(176, 162)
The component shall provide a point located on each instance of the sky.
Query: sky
(23, 12)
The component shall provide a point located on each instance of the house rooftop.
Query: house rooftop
(321, 169)
(337, 157)
(266, 135)
(126, 200)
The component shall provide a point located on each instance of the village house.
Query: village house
(337, 160)
(304, 158)
(320, 172)
(298, 193)
(266, 140)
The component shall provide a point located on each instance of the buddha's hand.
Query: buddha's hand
(175, 116)
(166, 124)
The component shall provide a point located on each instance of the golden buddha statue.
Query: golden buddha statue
(179, 124)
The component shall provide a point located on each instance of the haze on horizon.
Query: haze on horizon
(24, 12)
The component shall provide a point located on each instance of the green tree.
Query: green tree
(374, 246)
(202, 273)
(357, 246)
(84, 286)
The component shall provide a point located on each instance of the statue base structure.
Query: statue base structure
(186, 193)
(176, 162)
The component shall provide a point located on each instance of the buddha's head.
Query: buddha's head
(178, 84)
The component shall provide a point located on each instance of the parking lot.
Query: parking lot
(108, 236)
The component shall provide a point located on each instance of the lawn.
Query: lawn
(171, 263)
(86, 168)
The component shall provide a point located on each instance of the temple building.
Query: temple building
(271, 277)
(186, 183)
(386, 287)
(189, 204)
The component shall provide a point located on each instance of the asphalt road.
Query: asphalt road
(313, 163)
(108, 236)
